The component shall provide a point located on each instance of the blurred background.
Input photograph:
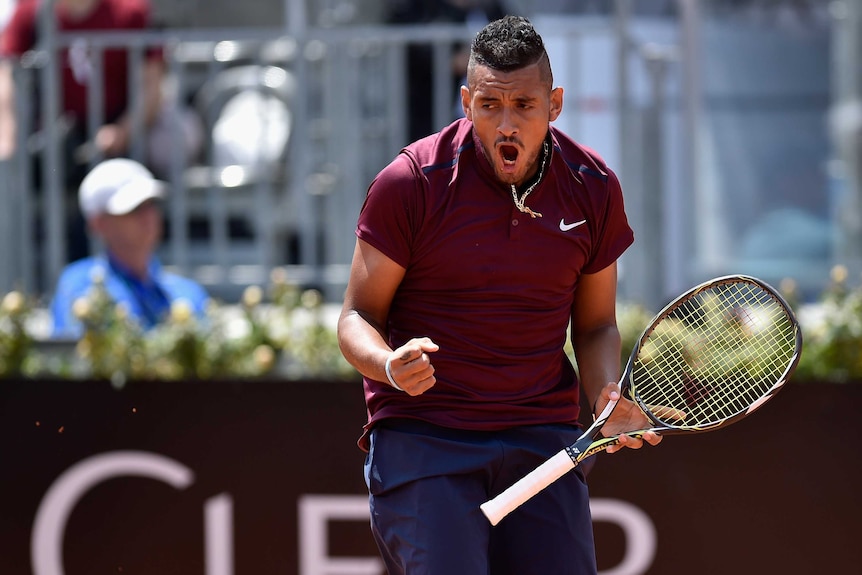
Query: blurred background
(734, 126)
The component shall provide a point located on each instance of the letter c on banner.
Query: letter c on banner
(46, 545)
(639, 531)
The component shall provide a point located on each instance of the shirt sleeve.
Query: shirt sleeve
(391, 209)
(19, 35)
(615, 234)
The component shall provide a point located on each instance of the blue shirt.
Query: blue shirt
(148, 302)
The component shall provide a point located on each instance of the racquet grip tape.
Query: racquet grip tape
(528, 486)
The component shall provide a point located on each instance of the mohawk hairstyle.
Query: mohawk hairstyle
(509, 44)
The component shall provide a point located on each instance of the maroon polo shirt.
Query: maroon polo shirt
(491, 285)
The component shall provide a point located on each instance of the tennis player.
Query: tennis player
(477, 246)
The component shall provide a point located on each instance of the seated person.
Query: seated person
(120, 199)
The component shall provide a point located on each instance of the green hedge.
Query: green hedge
(284, 332)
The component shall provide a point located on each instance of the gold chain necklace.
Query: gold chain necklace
(519, 202)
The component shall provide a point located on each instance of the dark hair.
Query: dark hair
(509, 44)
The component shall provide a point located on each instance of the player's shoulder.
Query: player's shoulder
(442, 149)
(580, 158)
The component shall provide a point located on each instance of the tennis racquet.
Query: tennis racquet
(709, 358)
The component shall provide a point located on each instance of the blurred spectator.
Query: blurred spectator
(80, 148)
(113, 137)
(6, 8)
(120, 200)
(420, 64)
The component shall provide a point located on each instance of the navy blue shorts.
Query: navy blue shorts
(426, 484)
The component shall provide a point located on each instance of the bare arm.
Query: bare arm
(7, 110)
(595, 336)
(596, 340)
(374, 279)
(113, 139)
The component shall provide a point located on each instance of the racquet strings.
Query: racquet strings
(714, 354)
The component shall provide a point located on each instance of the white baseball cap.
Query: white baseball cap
(116, 187)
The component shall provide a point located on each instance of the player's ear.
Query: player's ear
(556, 104)
(465, 103)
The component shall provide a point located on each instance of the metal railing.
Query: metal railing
(294, 129)
(295, 125)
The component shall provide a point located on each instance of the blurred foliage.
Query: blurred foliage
(832, 333)
(632, 319)
(280, 332)
(15, 342)
(831, 330)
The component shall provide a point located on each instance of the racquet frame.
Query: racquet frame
(591, 441)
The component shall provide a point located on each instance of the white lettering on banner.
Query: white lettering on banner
(218, 529)
(61, 498)
(315, 512)
(46, 545)
(639, 530)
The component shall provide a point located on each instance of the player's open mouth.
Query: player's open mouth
(509, 154)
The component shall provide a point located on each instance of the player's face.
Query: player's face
(511, 112)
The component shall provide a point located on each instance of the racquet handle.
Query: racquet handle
(527, 486)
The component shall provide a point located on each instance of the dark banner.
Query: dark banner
(227, 478)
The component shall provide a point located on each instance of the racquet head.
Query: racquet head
(714, 355)
(711, 357)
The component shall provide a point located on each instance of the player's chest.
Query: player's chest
(481, 238)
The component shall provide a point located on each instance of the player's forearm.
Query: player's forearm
(363, 344)
(598, 356)
(7, 111)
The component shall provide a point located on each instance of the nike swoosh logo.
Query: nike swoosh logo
(566, 227)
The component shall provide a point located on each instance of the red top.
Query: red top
(21, 32)
(491, 285)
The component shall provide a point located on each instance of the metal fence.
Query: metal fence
(295, 124)
(293, 131)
